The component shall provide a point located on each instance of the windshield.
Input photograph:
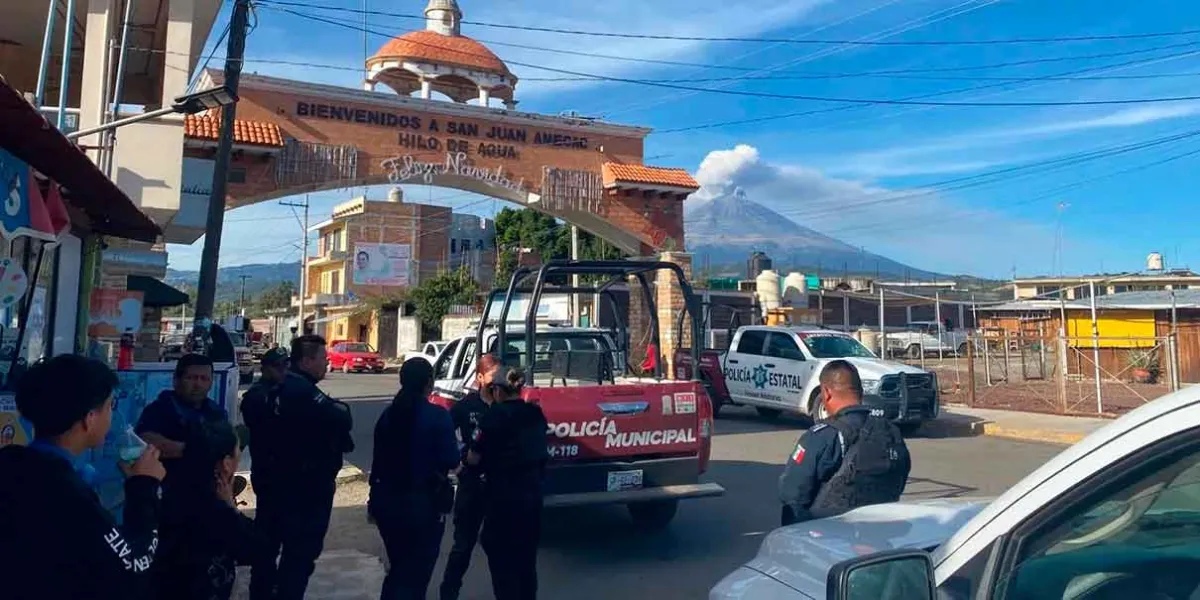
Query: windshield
(835, 346)
(357, 347)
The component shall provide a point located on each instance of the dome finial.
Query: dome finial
(443, 16)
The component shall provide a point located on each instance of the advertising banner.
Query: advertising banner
(381, 264)
(112, 312)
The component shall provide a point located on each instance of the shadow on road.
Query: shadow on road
(744, 419)
(951, 425)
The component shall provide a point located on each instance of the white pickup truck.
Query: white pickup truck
(927, 337)
(776, 369)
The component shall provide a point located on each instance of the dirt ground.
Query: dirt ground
(1038, 395)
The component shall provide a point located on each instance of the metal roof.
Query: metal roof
(1144, 300)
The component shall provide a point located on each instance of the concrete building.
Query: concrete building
(473, 246)
(1075, 287)
(368, 253)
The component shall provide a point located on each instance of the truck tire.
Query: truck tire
(962, 349)
(653, 516)
(913, 351)
(767, 413)
(816, 408)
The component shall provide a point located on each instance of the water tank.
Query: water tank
(395, 195)
(795, 290)
(767, 287)
(1154, 262)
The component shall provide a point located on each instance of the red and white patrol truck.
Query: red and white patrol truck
(614, 437)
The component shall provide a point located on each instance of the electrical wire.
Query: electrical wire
(799, 97)
(579, 32)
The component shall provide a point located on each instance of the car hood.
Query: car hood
(801, 555)
(875, 368)
(359, 354)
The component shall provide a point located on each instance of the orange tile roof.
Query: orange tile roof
(430, 46)
(208, 127)
(617, 173)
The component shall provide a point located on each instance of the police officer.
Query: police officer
(853, 459)
(259, 406)
(410, 490)
(297, 453)
(510, 446)
(174, 418)
(469, 503)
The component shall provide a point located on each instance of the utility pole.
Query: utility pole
(575, 321)
(303, 260)
(210, 258)
(243, 305)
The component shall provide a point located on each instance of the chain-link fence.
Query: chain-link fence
(1042, 371)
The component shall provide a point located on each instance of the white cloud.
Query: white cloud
(994, 146)
(918, 227)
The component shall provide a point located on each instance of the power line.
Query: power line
(806, 113)
(800, 97)
(828, 42)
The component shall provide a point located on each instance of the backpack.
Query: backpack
(874, 469)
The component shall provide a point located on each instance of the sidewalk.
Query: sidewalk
(960, 421)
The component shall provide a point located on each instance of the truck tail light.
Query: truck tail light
(705, 414)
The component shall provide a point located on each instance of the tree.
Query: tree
(542, 233)
(434, 297)
(276, 297)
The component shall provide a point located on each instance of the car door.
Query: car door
(787, 371)
(742, 364)
(1130, 530)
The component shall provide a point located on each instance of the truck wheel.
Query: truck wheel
(962, 349)
(914, 351)
(652, 516)
(768, 413)
(816, 408)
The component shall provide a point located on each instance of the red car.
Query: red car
(348, 356)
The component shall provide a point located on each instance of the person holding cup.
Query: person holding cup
(59, 541)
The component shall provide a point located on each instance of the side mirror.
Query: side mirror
(890, 575)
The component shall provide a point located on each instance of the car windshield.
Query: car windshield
(835, 346)
(357, 347)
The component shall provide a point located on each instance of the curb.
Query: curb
(962, 426)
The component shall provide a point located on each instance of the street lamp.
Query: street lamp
(187, 104)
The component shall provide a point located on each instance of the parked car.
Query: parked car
(777, 368)
(433, 349)
(1117, 515)
(357, 357)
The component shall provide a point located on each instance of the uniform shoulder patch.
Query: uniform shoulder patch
(798, 453)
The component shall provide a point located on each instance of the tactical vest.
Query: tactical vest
(872, 470)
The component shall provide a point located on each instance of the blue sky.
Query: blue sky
(873, 175)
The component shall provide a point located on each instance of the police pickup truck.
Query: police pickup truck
(776, 369)
(613, 437)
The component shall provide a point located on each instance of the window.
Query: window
(830, 345)
(1136, 537)
(465, 245)
(752, 342)
(453, 246)
(335, 282)
(442, 368)
(781, 345)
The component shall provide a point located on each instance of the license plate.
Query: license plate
(624, 480)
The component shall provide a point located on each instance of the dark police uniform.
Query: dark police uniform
(851, 460)
(177, 420)
(296, 455)
(410, 492)
(511, 442)
(469, 502)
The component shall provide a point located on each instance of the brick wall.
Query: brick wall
(670, 302)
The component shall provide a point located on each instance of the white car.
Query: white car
(1115, 516)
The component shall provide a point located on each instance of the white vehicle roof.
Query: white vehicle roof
(795, 329)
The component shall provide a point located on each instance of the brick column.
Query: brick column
(670, 302)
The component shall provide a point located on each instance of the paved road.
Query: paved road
(595, 553)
